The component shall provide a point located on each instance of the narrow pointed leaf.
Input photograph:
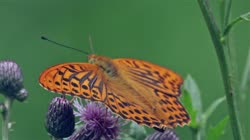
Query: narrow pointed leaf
(187, 102)
(217, 131)
(212, 108)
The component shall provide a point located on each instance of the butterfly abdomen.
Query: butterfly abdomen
(104, 63)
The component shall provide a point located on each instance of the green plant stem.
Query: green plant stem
(6, 117)
(225, 8)
(223, 58)
(229, 26)
(196, 133)
(228, 5)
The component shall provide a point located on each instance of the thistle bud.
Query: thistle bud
(11, 79)
(60, 121)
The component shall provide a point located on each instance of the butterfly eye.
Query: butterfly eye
(92, 61)
(108, 71)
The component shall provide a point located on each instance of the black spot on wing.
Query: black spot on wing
(85, 87)
(57, 83)
(137, 111)
(60, 72)
(124, 112)
(145, 118)
(137, 118)
(74, 84)
(171, 118)
(121, 105)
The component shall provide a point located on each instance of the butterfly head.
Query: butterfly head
(92, 59)
(104, 63)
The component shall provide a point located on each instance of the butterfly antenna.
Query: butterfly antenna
(91, 45)
(62, 45)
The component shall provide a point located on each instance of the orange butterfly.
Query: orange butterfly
(134, 89)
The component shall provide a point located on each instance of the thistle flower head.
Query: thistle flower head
(60, 121)
(98, 121)
(166, 135)
(11, 80)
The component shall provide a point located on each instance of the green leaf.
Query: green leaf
(187, 102)
(136, 131)
(246, 16)
(243, 17)
(192, 88)
(215, 132)
(212, 108)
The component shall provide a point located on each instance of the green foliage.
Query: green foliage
(215, 132)
(243, 17)
(190, 87)
(135, 132)
(212, 108)
(187, 102)
(192, 101)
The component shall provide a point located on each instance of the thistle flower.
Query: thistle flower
(11, 80)
(166, 135)
(99, 123)
(60, 121)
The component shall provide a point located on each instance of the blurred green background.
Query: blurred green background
(168, 33)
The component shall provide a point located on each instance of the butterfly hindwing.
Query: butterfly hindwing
(78, 79)
(166, 113)
(160, 88)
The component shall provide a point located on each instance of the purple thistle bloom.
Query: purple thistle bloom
(166, 135)
(98, 122)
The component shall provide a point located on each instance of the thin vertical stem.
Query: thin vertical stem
(228, 5)
(6, 117)
(226, 69)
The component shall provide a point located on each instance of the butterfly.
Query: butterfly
(134, 89)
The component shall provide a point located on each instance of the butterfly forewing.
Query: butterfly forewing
(78, 79)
